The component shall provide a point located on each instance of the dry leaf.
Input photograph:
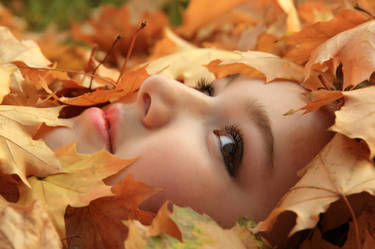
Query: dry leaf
(354, 48)
(301, 44)
(293, 23)
(342, 168)
(99, 225)
(356, 118)
(320, 98)
(26, 227)
(19, 153)
(81, 183)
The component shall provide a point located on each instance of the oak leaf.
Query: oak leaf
(356, 118)
(20, 154)
(99, 225)
(26, 227)
(81, 183)
(342, 167)
(354, 48)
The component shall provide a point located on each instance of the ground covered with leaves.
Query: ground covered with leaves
(57, 199)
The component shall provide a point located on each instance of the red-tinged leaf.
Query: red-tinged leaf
(99, 225)
(320, 98)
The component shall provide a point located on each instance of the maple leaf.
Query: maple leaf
(5, 74)
(356, 117)
(20, 154)
(81, 183)
(196, 15)
(342, 167)
(198, 231)
(26, 227)
(302, 43)
(271, 66)
(99, 225)
(319, 99)
(353, 48)
(9, 188)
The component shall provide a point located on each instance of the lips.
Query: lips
(112, 116)
(101, 124)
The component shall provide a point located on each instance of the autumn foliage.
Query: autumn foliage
(58, 199)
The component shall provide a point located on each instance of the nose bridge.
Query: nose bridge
(168, 98)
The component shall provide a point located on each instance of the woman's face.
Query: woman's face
(227, 151)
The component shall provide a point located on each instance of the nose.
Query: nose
(160, 99)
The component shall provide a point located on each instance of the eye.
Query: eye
(231, 148)
(204, 86)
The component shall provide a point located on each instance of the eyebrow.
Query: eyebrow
(258, 115)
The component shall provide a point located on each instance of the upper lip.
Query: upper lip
(108, 126)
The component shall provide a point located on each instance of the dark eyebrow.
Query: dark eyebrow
(259, 116)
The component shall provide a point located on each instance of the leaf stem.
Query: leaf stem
(355, 222)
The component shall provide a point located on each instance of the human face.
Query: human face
(178, 133)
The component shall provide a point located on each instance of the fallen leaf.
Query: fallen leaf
(342, 168)
(293, 22)
(5, 74)
(301, 44)
(20, 154)
(13, 50)
(99, 225)
(9, 187)
(353, 48)
(315, 11)
(355, 118)
(162, 223)
(198, 231)
(196, 15)
(26, 227)
(81, 183)
(319, 99)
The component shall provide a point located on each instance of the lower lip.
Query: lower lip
(98, 118)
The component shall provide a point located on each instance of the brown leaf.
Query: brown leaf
(81, 183)
(99, 225)
(162, 223)
(342, 168)
(26, 227)
(320, 98)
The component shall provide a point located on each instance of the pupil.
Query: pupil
(229, 149)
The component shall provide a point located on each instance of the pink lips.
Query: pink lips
(112, 115)
(99, 120)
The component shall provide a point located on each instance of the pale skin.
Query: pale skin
(179, 133)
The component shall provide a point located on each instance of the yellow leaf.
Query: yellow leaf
(342, 168)
(293, 22)
(81, 183)
(5, 74)
(26, 227)
(19, 153)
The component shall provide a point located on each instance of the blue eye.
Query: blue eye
(204, 86)
(231, 148)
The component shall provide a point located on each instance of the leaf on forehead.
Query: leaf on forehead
(189, 64)
(257, 63)
(129, 83)
(26, 227)
(302, 44)
(356, 118)
(342, 167)
(99, 225)
(196, 15)
(20, 154)
(198, 231)
(354, 48)
(318, 99)
(81, 183)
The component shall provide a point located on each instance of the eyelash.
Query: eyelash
(232, 162)
(203, 85)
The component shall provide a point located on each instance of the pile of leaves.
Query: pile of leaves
(56, 199)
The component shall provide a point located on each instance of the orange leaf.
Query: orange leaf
(321, 98)
(311, 36)
(354, 48)
(162, 223)
(99, 225)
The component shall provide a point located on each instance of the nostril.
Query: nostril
(147, 102)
